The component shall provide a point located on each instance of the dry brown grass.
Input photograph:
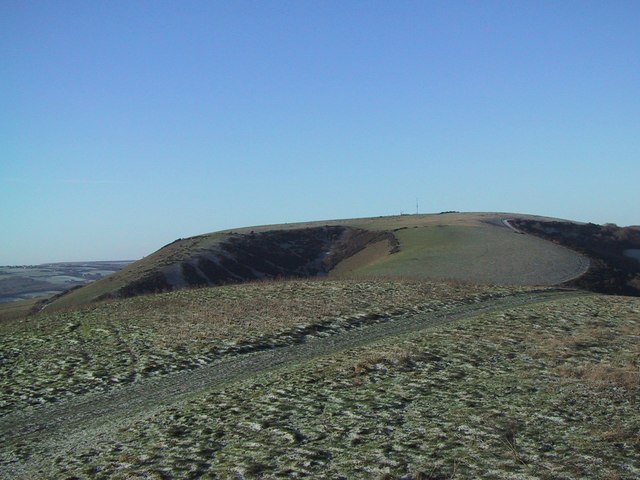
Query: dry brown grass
(18, 309)
(397, 357)
(370, 255)
(599, 376)
(262, 308)
(597, 352)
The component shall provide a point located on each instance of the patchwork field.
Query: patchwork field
(26, 282)
(327, 379)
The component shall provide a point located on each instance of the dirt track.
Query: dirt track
(56, 430)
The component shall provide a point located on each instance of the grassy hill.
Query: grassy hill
(471, 247)
(409, 347)
(476, 254)
(539, 383)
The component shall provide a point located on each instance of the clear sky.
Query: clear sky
(127, 124)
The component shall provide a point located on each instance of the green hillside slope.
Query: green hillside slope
(480, 254)
(470, 247)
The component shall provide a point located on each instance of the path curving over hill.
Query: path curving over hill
(33, 438)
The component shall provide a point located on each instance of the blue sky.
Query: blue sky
(125, 125)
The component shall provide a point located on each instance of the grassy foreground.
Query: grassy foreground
(48, 357)
(545, 391)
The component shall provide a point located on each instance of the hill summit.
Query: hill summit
(479, 248)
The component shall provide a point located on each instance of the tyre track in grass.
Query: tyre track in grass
(32, 438)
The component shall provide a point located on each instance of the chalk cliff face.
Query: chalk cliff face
(243, 257)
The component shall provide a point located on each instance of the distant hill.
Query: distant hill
(481, 248)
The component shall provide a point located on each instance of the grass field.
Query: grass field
(395, 222)
(550, 390)
(17, 309)
(482, 254)
(515, 395)
(47, 357)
